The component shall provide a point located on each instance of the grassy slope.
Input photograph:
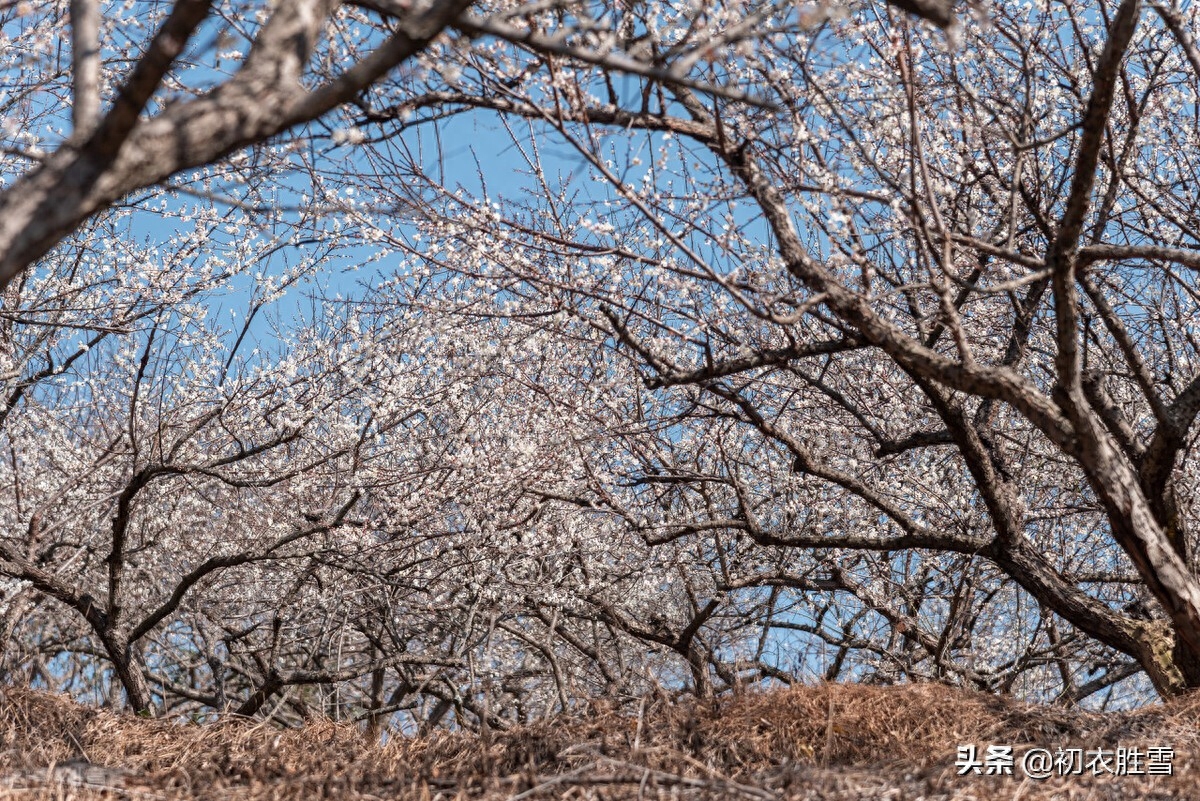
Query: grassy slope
(822, 742)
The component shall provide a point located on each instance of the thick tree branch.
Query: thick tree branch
(85, 66)
(126, 153)
(1062, 257)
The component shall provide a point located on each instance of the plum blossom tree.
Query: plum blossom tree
(839, 339)
(167, 427)
(915, 334)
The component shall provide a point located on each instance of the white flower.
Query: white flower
(351, 136)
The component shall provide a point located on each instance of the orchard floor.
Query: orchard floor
(817, 742)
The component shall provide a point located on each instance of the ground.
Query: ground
(829, 742)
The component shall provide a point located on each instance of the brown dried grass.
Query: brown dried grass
(817, 742)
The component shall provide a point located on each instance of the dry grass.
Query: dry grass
(821, 742)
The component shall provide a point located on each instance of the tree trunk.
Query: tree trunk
(127, 666)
